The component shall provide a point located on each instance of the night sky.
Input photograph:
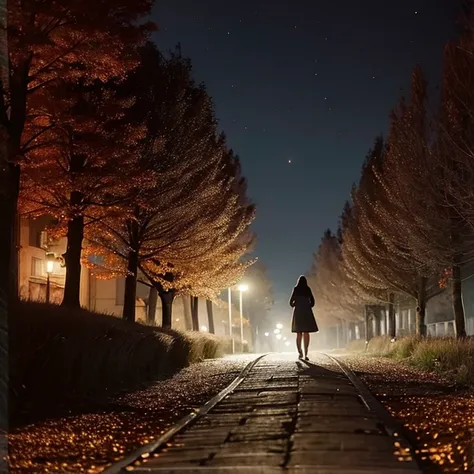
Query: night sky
(301, 89)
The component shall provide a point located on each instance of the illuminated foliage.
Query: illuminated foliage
(77, 42)
(186, 225)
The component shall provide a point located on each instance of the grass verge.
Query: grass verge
(56, 352)
(454, 358)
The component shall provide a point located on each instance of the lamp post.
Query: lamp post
(231, 334)
(49, 269)
(242, 288)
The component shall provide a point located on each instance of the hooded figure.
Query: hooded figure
(303, 323)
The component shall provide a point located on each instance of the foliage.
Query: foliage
(56, 351)
(408, 229)
(185, 226)
(73, 42)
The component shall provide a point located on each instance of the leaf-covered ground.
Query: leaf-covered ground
(440, 413)
(103, 430)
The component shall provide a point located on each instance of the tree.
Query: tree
(187, 227)
(6, 242)
(451, 160)
(82, 170)
(209, 257)
(210, 316)
(69, 41)
(180, 131)
(435, 233)
(335, 299)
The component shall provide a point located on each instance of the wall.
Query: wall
(32, 265)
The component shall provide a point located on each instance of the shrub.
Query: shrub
(404, 347)
(380, 345)
(449, 356)
(453, 358)
(55, 350)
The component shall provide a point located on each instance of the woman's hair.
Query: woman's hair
(302, 287)
(302, 282)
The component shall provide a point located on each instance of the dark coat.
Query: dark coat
(302, 300)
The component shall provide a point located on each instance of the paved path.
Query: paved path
(286, 416)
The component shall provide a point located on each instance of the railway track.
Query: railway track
(280, 415)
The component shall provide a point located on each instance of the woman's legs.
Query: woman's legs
(298, 343)
(306, 343)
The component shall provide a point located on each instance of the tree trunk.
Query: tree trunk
(368, 331)
(421, 309)
(188, 323)
(195, 312)
(458, 307)
(391, 316)
(72, 257)
(376, 314)
(167, 298)
(210, 316)
(152, 301)
(130, 296)
(9, 236)
(8, 289)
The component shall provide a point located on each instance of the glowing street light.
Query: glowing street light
(49, 270)
(204, 328)
(242, 288)
(267, 334)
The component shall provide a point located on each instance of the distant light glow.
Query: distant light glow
(279, 326)
(267, 334)
(278, 336)
(276, 331)
(204, 328)
(243, 288)
(287, 343)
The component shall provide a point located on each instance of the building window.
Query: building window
(37, 267)
(35, 237)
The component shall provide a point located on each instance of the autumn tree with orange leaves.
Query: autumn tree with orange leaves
(84, 168)
(76, 41)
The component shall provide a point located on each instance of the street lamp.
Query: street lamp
(49, 270)
(242, 288)
(231, 334)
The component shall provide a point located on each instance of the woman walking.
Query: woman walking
(302, 300)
